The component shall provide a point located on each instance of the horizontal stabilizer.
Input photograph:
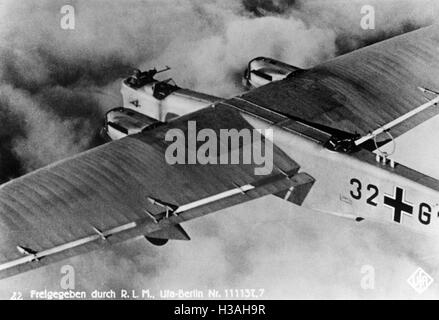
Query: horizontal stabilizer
(302, 183)
(172, 232)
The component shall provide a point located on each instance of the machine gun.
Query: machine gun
(139, 78)
(148, 76)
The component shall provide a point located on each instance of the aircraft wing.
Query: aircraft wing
(363, 90)
(124, 189)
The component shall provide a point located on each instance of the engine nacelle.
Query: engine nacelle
(121, 122)
(262, 70)
(161, 100)
(147, 101)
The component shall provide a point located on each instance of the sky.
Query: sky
(56, 85)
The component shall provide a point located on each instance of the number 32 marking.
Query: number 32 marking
(357, 192)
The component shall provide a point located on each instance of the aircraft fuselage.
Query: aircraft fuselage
(350, 187)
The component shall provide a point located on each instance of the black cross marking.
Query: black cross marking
(398, 205)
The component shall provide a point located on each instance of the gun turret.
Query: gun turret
(149, 75)
(139, 78)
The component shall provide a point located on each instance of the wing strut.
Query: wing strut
(28, 252)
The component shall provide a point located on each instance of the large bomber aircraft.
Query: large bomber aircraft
(330, 125)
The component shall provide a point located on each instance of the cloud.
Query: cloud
(215, 63)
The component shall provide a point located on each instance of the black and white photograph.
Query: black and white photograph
(221, 150)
